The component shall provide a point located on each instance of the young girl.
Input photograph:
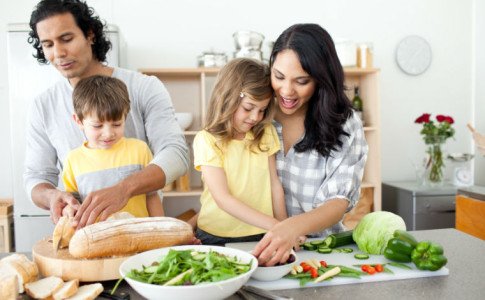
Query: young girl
(235, 152)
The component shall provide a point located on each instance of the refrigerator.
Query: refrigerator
(26, 79)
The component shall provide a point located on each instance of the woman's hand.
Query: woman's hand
(276, 244)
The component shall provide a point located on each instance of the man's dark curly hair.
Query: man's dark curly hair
(85, 19)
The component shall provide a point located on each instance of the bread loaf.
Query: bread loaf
(25, 269)
(128, 236)
(9, 287)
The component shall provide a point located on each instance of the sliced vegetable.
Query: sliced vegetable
(308, 246)
(324, 250)
(428, 256)
(361, 256)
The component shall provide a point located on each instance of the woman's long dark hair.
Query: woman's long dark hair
(85, 19)
(329, 107)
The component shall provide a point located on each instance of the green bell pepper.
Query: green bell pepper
(400, 247)
(428, 256)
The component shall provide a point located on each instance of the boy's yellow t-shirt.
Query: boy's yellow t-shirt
(247, 176)
(86, 170)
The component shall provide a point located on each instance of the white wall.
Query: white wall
(172, 33)
(479, 97)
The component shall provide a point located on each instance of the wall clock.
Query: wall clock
(413, 55)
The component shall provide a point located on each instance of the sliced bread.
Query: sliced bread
(63, 233)
(44, 288)
(25, 269)
(9, 287)
(67, 290)
(88, 292)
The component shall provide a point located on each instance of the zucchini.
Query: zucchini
(317, 242)
(361, 256)
(339, 239)
(308, 246)
(324, 250)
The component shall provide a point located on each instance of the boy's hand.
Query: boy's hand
(99, 205)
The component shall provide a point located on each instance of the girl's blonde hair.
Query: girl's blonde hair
(241, 76)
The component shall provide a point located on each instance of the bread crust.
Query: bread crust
(25, 269)
(9, 287)
(128, 236)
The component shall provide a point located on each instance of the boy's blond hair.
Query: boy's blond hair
(101, 96)
(241, 76)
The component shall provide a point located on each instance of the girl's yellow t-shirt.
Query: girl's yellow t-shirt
(248, 179)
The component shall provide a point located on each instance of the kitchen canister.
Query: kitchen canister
(365, 53)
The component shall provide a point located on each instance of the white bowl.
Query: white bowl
(274, 273)
(216, 290)
(184, 119)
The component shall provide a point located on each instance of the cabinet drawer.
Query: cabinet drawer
(435, 204)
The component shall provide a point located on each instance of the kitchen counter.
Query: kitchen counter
(466, 264)
(475, 191)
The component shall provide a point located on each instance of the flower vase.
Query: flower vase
(435, 165)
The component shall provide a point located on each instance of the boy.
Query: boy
(101, 104)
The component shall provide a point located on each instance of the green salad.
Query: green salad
(189, 267)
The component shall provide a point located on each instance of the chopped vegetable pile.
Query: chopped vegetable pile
(188, 267)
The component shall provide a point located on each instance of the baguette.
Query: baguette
(129, 236)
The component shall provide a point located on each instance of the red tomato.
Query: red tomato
(379, 268)
(314, 273)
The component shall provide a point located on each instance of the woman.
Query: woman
(323, 145)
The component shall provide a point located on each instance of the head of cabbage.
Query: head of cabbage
(375, 229)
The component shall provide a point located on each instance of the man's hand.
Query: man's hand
(60, 202)
(99, 205)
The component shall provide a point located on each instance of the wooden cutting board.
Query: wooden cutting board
(345, 259)
(62, 264)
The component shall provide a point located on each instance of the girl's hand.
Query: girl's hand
(276, 244)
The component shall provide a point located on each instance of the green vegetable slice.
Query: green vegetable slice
(361, 256)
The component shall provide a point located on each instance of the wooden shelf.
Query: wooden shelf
(180, 71)
(192, 192)
(366, 185)
(192, 132)
(370, 128)
(359, 71)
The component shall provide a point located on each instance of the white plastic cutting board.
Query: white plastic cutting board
(345, 259)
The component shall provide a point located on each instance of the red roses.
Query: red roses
(424, 118)
(436, 133)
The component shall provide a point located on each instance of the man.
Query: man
(68, 35)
